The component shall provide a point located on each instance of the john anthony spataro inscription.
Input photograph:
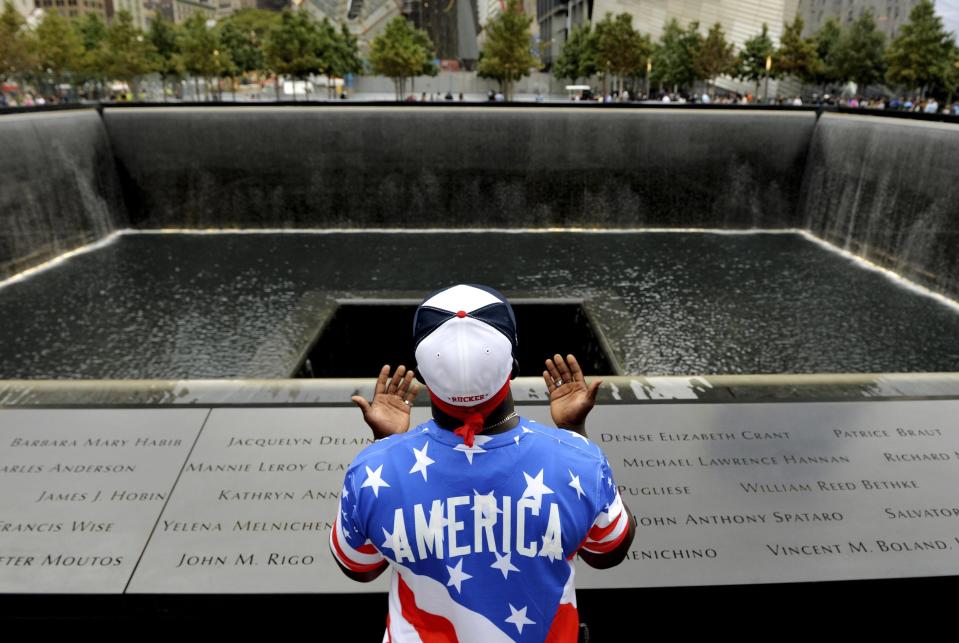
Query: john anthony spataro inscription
(722, 494)
(81, 490)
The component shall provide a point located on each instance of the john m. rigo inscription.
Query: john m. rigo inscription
(723, 494)
(81, 490)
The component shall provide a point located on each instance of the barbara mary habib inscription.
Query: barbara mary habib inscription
(236, 500)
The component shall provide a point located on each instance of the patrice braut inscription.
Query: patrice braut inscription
(80, 491)
(723, 494)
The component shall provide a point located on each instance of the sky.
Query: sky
(949, 10)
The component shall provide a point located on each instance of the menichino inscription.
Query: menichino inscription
(722, 494)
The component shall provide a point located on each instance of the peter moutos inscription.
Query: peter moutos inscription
(235, 500)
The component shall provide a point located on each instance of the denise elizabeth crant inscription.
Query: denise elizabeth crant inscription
(784, 492)
(722, 493)
(80, 491)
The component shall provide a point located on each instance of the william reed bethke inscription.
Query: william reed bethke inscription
(723, 494)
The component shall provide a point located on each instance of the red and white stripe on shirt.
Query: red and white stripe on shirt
(609, 528)
(366, 558)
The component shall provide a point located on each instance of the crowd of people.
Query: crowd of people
(896, 103)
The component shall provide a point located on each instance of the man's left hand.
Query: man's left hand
(570, 399)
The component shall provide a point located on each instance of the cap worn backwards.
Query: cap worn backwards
(465, 342)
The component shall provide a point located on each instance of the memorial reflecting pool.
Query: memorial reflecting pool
(246, 305)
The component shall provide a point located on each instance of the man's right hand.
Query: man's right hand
(389, 413)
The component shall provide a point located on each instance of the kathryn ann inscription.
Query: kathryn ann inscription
(726, 494)
(253, 509)
(80, 491)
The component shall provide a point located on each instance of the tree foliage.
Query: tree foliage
(827, 47)
(798, 56)
(674, 58)
(16, 44)
(578, 58)
(126, 54)
(620, 49)
(402, 52)
(859, 55)
(506, 55)
(292, 45)
(920, 56)
(751, 63)
(715, 57)
(58, 47)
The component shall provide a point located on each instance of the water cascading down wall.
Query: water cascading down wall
(881, 188)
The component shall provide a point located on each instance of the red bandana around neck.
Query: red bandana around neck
(473, 417)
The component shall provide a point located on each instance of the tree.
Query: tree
(165, 38)
(920, 56)
(202, 51)
(126, 54)
(797, 56)
(92, 32)
(716, 57)
(578, 58)
(59, 50)
(506, 55)
(827, 46)
(860, 53)
(339, 53)
(243, 36)
(402, 52)
(16, 45)
(293, 46)
(751, 63)
(621, 51)
(675, 55)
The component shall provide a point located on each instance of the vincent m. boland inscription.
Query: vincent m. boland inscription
(80, 491)
(722, 494)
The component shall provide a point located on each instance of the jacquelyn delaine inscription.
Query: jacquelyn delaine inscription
(722, 494)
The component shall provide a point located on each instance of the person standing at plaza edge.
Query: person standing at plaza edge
(479, 512)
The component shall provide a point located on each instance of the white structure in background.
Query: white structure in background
(890, 15)
(24, 7)
(135, 8)
(365, 19)
(741, 20)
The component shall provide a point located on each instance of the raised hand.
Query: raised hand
(570, 399)
(389, 413)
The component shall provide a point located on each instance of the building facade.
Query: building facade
(70, 8)
(741, 19)
(890, 15)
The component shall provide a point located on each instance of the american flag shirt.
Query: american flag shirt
(481, 539)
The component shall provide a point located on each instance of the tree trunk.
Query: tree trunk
(276, 86)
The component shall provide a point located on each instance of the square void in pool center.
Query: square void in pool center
(360, 336)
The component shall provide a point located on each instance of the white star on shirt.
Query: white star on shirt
(575, 484)
(551, 549)
(457, 576)
(535, 488)
(518, 618)
(374, 480)
(503, 564)
(578, 435)
(516, 440)
(525, 430)
(345, 493)
(478, 442)
(422, 460)
(390, 542)
(485, 503)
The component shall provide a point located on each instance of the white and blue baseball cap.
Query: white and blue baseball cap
(465, 344)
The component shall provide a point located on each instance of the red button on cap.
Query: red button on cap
(461, 314)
